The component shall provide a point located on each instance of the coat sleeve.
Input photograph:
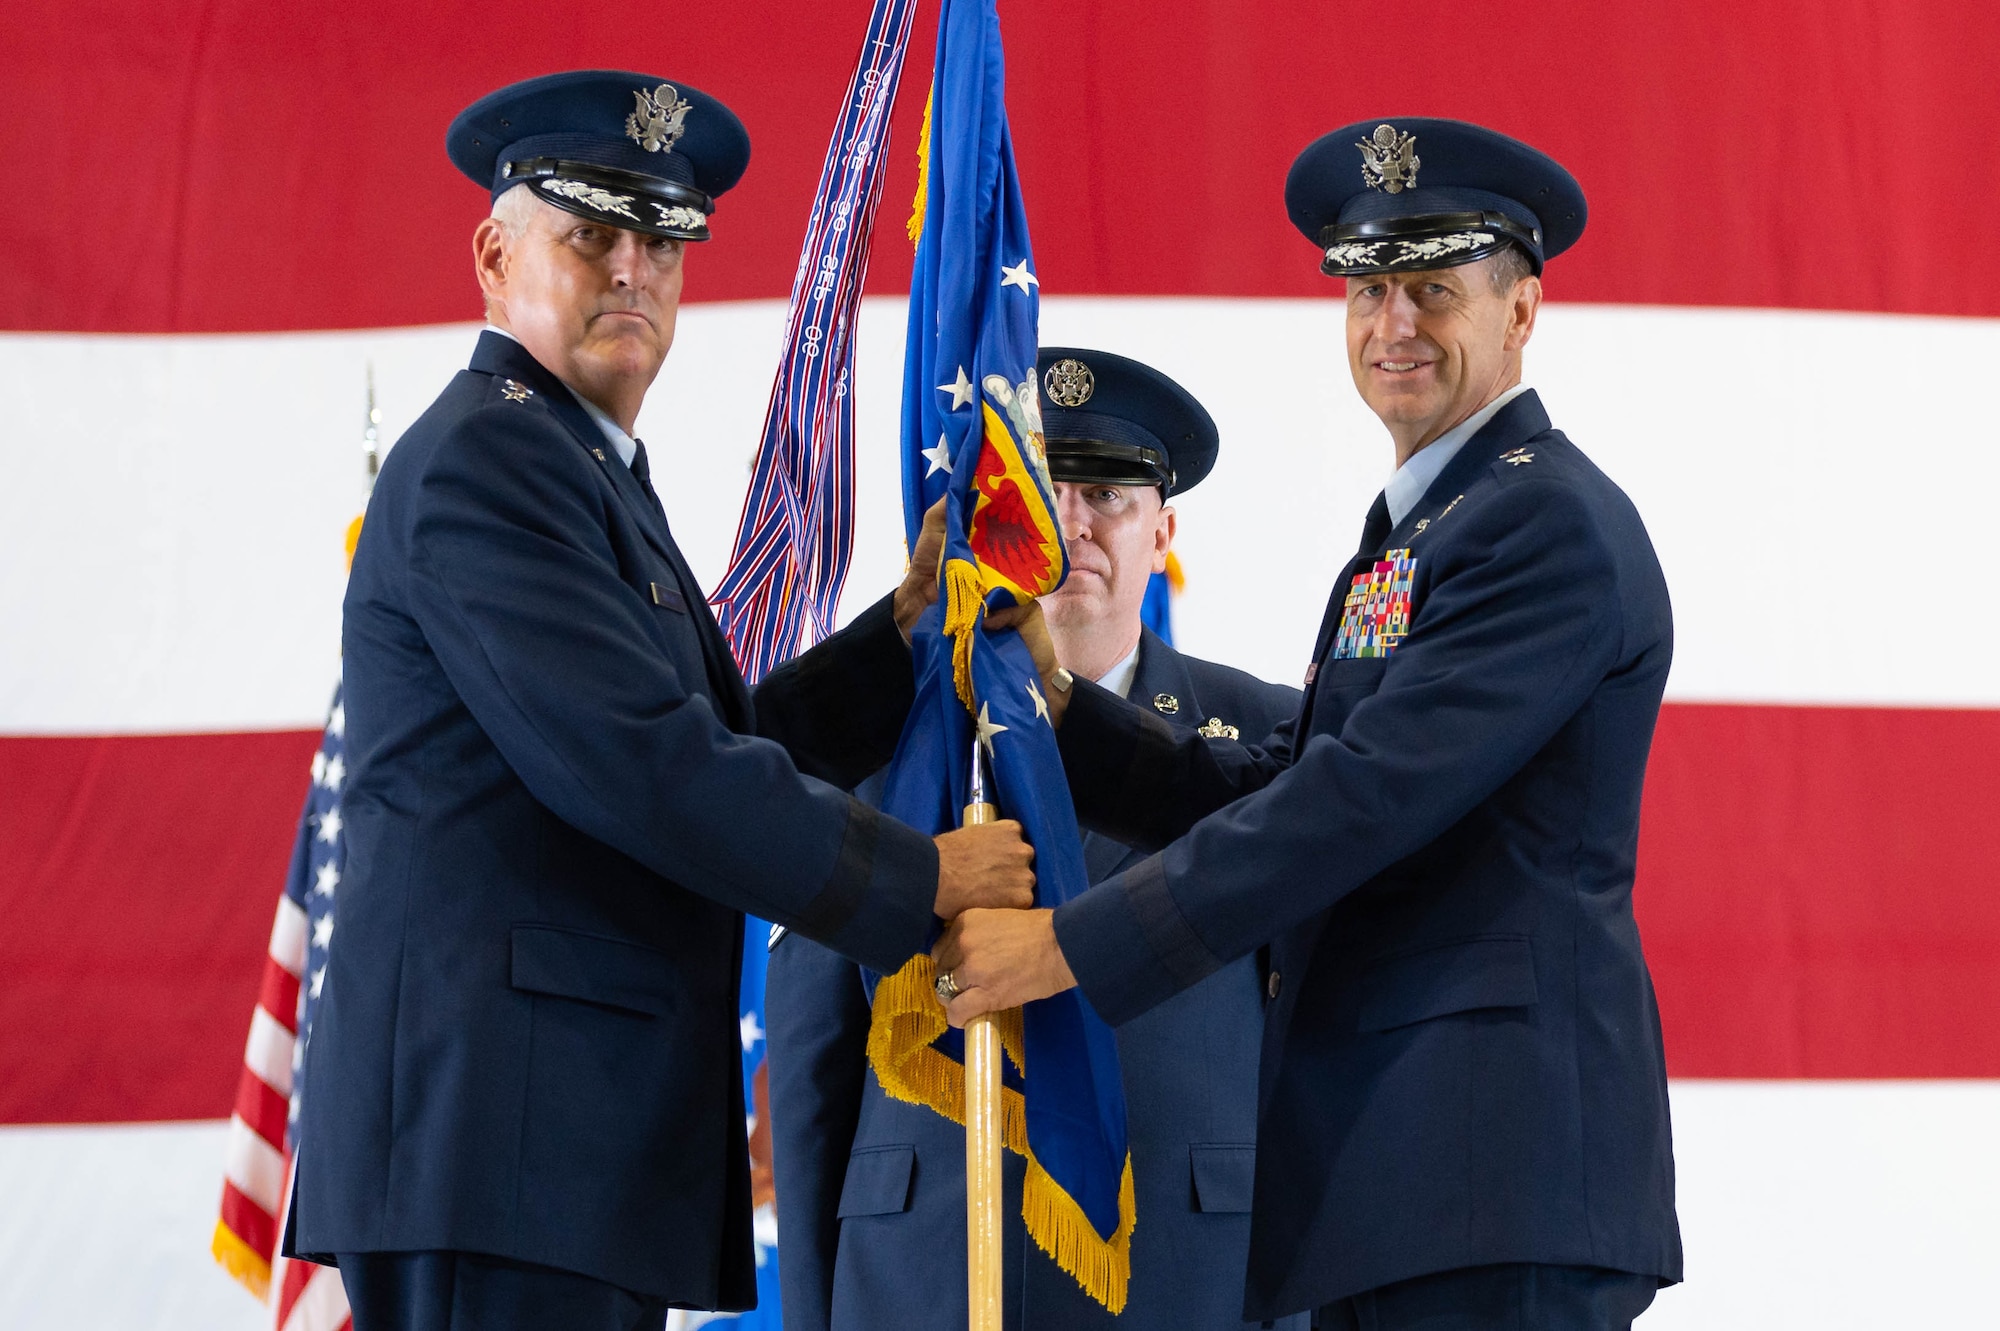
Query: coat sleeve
(517, 590)
(1143, 781)
(818, 1029)
(839, 708)
(1519, 626)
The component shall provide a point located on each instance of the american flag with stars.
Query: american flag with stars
(258, 1167)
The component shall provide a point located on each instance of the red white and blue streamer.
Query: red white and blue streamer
(796, 535)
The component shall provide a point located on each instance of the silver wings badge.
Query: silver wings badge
(660, 120)
(1389, 160)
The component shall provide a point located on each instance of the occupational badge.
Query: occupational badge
(1070, 383)
(1389, 160)
(1214, 729)
(1167, 703)
(515, 391)
(1376, 614)
(660, 120)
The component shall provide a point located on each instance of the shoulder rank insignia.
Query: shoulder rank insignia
(1519, 457)
(1167, 703)
(660, 120)
(1389, 160)
(1214, 729)
(515, 391)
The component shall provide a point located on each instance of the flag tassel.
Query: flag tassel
(964, 603)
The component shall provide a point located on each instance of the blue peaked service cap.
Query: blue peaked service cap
(1411, 193)
(1111, 420)
(630, 150)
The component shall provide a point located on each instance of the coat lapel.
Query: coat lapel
(501, 355)
(1512, 425)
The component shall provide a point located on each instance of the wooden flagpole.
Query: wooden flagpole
(983, 1188)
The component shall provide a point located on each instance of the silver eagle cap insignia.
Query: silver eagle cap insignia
(1070, 382)
(1389, 160)
(660, 120)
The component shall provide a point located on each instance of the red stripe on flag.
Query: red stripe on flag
(279, 996)
(1816, 891)
(1790, 154)
(263, 1109)
(136, 880)
(249, 1221)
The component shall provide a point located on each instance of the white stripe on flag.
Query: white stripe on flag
(268, 1052)
(288, 938)
(254, 1166)
(1768, 451)
(322, 1304)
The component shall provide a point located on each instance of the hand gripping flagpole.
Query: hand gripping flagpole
(982, 1124)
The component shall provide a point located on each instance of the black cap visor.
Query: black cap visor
(1097, 462)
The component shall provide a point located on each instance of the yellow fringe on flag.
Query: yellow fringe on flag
(921, 202)
(1176, 580)
(241, 1261)
(964, 603)
(353, 539)
(907, 1018)
(1060, 1229)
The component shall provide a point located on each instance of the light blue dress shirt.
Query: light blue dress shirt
(1407, 486)
(621, 443)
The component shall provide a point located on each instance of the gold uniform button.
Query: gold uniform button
(1272, 985)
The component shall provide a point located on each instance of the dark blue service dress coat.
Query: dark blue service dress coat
(871, 1191)
(557, 812)
(1462, 1065)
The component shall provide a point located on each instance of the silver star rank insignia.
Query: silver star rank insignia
(1519, 457)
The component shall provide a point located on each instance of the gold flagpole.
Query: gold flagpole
(983, 1188)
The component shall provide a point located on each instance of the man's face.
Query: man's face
(593, 303)
(1118, 537)
(1428, 349)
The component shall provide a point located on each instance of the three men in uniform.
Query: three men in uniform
(526, 1109)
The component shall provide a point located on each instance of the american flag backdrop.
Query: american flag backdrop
(1774, 336)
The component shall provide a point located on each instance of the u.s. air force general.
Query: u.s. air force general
(1463, 1098)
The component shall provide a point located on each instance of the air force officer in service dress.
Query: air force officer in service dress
(525, 1106)
(1463, 1096)
(871, 1191)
